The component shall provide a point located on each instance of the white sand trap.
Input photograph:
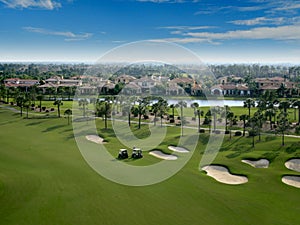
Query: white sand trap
(293, 164)
(291, 180)
(94, 138)
(262, 163)
(161, 155)
(222, 175)
(178, 149)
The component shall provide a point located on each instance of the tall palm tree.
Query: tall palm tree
(284, 105)
(162, 108)
(269, 113)
(249, 103)
(231, 118)
(68, 113)
(225, 113)
(181, 104)
(20, 99)
(142, 108)
(199, 113)
(83, 103)
(155, 109)
(195, 106)
(104, 108)
(296, 104)
(58, 103)
(215, 111)
(244, 118)
(283, 125)
(172, 106)
(260, 119)
(40, 99)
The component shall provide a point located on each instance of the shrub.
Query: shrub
(252, 133)
(202, 131)
(32, 105)
(238, 133)
(217, 132)
(52, 109)
(178, 117)
(297, 130)
(193, 118)
(47, 111)
(227, 132)
(146, 117)
(43, 108)
(178, 124)
(172, 121)
(171, 117)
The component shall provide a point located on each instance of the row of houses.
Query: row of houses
(227, 86)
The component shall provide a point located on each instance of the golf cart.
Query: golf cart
(136, 153)
(123, 154)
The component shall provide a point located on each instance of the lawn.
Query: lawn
(45, 180)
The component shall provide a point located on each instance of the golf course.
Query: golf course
(45, 180)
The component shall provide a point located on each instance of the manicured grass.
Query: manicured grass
(45, 180)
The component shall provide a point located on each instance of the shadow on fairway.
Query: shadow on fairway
(53, 128)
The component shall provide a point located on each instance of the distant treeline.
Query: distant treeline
(44, 71)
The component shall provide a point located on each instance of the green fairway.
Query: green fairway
(45, 180)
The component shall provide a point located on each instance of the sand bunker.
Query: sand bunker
(178, 149)
(262, 163)
(161, 155)
(291, 180)
(94, 138)
(222, 175)
(293, 164)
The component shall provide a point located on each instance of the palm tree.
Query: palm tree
(231, 118)
(244, 117)
(173, 110)
(269, 113)
(199, 113)
(68, 113)
(249, 103)
(27, 103)
(195, 106)
(40, 98)
(103, 108)
(162, 108)
(83, 102)
(155, 108)
(260, 119)
(214, 112)
(283, 124)
(253, 130)
(20, 99)
(225, 113)
(58, 103)
(181, 105)
(142, 108)
(284, 105)
(296, 104)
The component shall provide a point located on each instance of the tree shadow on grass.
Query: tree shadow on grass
(53, 128)
(34, 123)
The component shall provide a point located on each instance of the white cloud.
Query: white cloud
(187, 27)
(259, 21)
(69, 36)
(290, 32)
(42, 4)
(281, 33)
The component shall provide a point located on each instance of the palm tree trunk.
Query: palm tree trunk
(282, 141)
(199, 122)
(244, 127)
(140, 116)
(154, 119)
(129, 117)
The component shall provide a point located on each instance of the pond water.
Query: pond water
(211, 102)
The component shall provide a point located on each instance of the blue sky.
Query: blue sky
(240, 31)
